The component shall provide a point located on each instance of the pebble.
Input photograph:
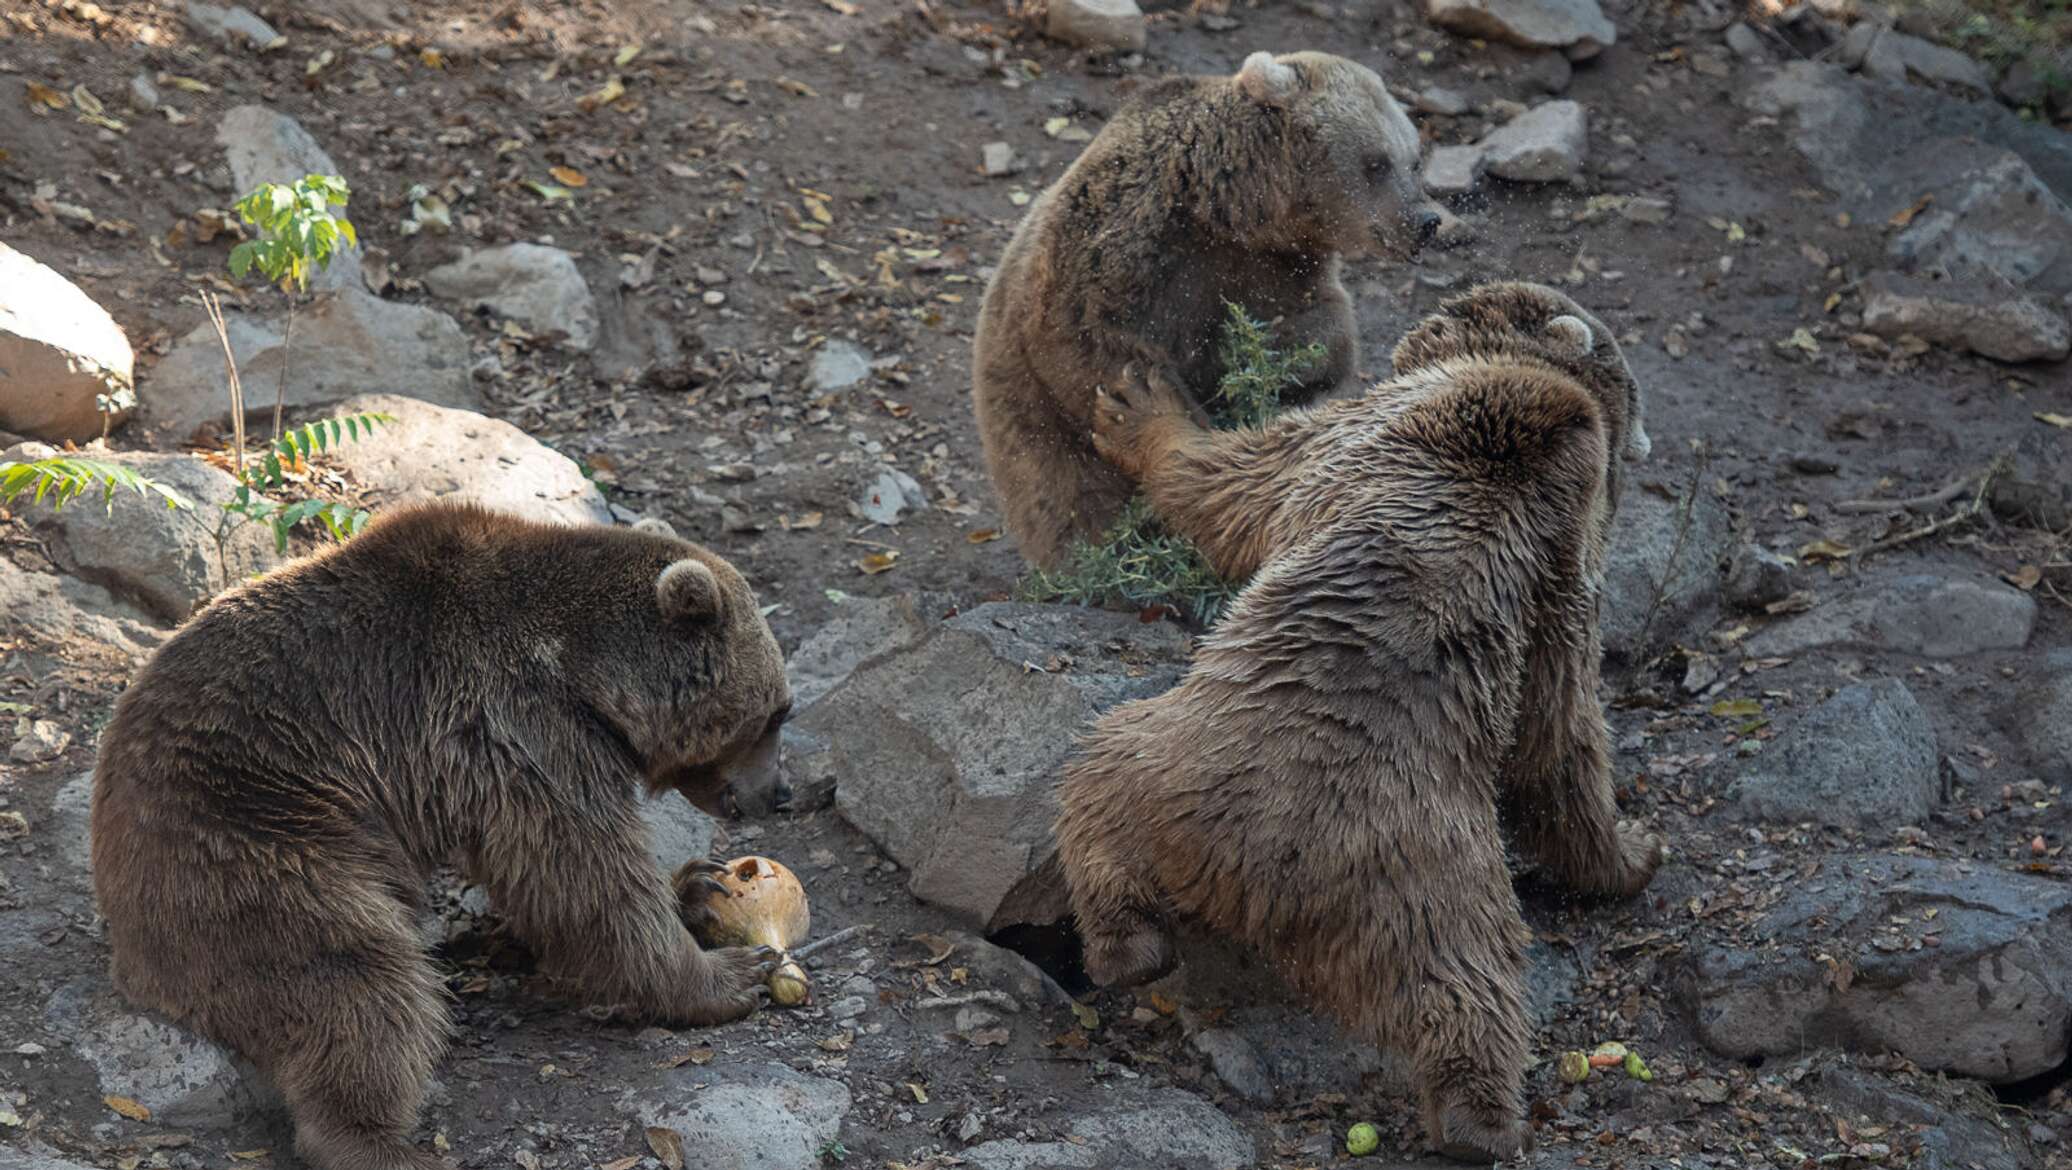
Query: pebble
(998, 159)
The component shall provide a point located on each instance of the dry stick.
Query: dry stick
(818, 945)
(237, 389)
(1911, 504)
(280, 392)
(1969, 511)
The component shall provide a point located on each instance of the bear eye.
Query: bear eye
(1378, 167)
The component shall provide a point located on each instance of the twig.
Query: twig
(821, 944)
(280, 391)
(237, 389)
(998, 999)
(1911, 504)
(1969, 511)
(1683, 534)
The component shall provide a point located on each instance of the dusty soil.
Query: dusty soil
(739, 124)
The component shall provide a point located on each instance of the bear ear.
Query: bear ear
(1572, 332)
(1267, 81)
(688, 591)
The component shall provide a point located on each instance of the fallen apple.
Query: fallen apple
(760, 903)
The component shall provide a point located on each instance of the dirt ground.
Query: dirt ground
(780, 176)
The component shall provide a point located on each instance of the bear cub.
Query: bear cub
(1411, 673)
(452, 686)
(1200, 190)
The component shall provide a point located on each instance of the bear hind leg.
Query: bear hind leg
(364, 1046)
(1115, 902)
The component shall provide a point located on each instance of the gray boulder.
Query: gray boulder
(537, 286)
(2043, 719)
(862, 628)
(1920, 614)
(752, 1116)
(946, 752)
(1545, 144)
(1989, 318)
(438, 453)
(233, 25)
(1116, 25)
(1864, 759)
(164, 560)
(1451, 171)
(1577, 26)
(1662, 576)
(1136, 1128)
(344, 344)
(62, 358)
(183, 1080)
(1844, 960)
(59, 609)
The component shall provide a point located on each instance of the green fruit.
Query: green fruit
(1362, 1139)
(1574, 1067)
(1637, 1068)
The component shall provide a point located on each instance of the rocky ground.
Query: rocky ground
(718, 266)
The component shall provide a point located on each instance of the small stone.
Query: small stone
(233, 25)
(1116, 25)
(537, 286)
(44, 740)
(710, 276)
(1744, 42)
(1543, 145)
(889, 497)
(143, 95)
(1451, 171)
(998, 159)
(1923, 614)
(1810, 464)
(1237, 1063)
(1710, 64)
(1453, 231)
(1547, 73)
(847, 1008)
(713, 297)
(1439, 100)
(1756, 577)
(838, 365)
(1640, 209)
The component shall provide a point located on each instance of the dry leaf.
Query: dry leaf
(701, 1055)
(127, 1108)
(2056, 420)
(40, 94)
(188, 84)
(570, 176)
(1088, 1018)
(798, 87)
(1737, 709)
(2025, 578)
(432, 58)
(809, 520)
(982, 536)
(626, 1163)
(1824, 550)
(667, 1145)
(1906, 216)
(625, 56)
(609, 92)
(550, 192)
(920, 1094)
(878, 562)
(86, 101)
(839, 1042)
(841, 6)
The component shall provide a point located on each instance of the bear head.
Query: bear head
(1355, 153)
(1514, 321)
(687, 672)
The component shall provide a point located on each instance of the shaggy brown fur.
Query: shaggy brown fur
(1413, 669)
(1200, 190)
(453, 686)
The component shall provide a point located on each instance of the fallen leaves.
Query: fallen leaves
(701, 1055)
(128, 1108)
(612, 90)
(877, 562)
(1905, 215)
(569, 176)
(2056, 420)
(1825, 550)
(982, 536)
(39, 94)
(667, 1145)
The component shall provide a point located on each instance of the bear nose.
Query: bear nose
(781, 796)
(1428, 222)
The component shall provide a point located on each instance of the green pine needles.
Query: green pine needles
(1137, 561)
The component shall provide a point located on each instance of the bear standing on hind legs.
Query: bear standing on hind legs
(453, 685)
(1411, 672)
(1201, 190)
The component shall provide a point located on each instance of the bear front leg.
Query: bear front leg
(1115, 898)
(603, 917)
(1330, 324)
(1558, 778)
(1222, 490)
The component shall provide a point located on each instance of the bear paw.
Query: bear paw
(1139, 418)
(1129, 958)
(695, 882)
(733, 985)
(1640, 855)
(1482, 1142)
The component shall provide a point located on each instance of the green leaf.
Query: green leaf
(1737, 708)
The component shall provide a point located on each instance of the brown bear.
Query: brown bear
(1199, 191)
(452, 686)
(1412, 671)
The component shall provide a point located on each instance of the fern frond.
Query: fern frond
(298, 444)
(65, 478)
